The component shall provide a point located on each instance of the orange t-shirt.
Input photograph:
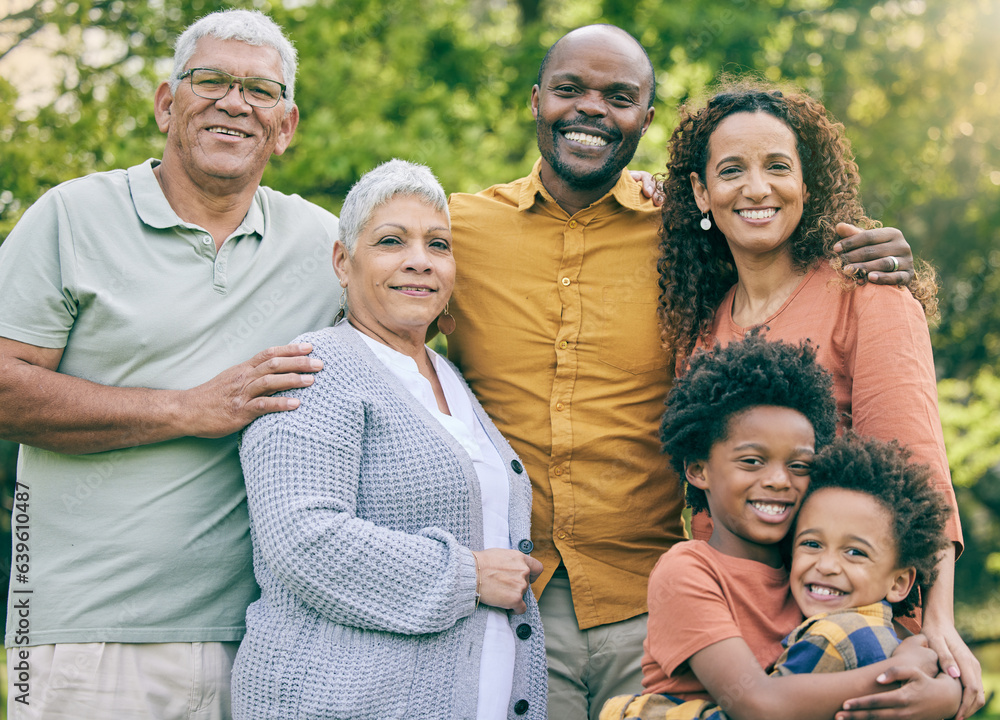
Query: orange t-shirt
(874, 341)
(697, 597)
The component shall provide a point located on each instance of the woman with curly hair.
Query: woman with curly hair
(756, 185)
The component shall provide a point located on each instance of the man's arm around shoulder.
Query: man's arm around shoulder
(42, 407)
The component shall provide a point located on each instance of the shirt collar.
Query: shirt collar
(153, 209)
(881, 609)
(626, 192)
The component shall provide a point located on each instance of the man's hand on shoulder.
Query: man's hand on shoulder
(239, 395)
(42, 407)
(882, 254)
(651, 187)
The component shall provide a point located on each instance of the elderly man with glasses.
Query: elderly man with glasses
(132, 301)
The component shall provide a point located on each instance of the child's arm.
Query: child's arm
(918, 691)
(730, 673)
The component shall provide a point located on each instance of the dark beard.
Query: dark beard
(606, 174)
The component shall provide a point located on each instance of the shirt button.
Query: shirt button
(557, 472)
(516, 467)
(566, 281)
(572, 223)
(564, 344)
(559, 407)
(521, 707)
(525, 546)
(523, 631)
(561, 535)
(206, 240)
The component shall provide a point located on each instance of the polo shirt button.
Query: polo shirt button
(572, 223)
(525, 546)
(564, 344)
(521, 707)
(559, 407)
(516, 467)
(566, 281)
(523, 631)
(206, 239)
(558, 471)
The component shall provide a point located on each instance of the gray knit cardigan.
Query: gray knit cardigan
(363, 514)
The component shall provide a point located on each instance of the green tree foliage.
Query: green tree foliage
(972, 436)
(447, 82)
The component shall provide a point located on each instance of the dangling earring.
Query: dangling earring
(343, 302)
(446, 323)
(706, 222)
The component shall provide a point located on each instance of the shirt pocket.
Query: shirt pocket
(630, 330)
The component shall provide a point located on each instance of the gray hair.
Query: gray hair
(379, 186)
(249, 26)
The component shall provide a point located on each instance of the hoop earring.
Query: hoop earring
(706, 222)
(445, 322)
(343, 306)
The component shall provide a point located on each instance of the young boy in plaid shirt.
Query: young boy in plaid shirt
(864, 546)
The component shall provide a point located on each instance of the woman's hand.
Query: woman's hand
(504, 577)
(954, 656)
(920, 697)
(955, 659)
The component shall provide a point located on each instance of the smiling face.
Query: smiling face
(753, 184)
(844, 554)
(591, 109)
(401, 273)
(223, 144)
(754, 480)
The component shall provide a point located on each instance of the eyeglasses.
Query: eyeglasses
(215, 85)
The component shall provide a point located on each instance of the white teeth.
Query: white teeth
(823, 590)
(757, 214)
(592, 140)
(770, 508)
(227, 131)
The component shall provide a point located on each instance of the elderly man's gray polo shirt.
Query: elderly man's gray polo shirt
(149, 544)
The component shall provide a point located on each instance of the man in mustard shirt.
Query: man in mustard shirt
(557, 333)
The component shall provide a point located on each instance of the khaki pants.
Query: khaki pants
(586, 667)
(100, 681)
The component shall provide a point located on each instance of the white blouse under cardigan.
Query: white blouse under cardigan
(496, 668)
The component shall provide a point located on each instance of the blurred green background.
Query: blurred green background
(447, 82)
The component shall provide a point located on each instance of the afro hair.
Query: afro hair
(727, 381)
(918, 511)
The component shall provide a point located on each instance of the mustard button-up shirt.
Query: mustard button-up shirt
(558, 337)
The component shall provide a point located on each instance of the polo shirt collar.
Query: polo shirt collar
(153, 209)
(626, 192)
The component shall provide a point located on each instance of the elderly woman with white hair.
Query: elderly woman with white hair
(389, 517)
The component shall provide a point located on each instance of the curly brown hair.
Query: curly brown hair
(918, 511)
(725, 382)
(696, 267)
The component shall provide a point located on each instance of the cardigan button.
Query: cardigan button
(517, 467)
(525, 546)
(521, 707)
(523, 631)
